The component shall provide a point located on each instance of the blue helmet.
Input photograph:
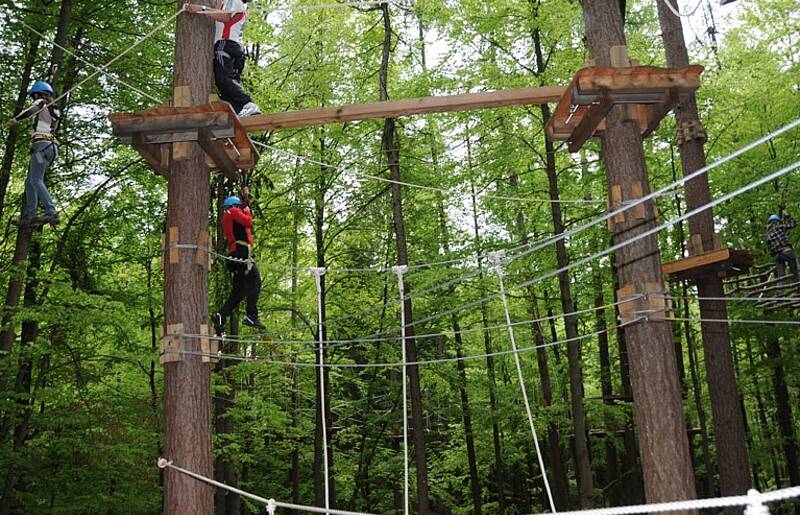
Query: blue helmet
(232, 201)
(773, 218)
(41, 86)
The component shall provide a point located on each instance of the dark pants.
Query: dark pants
(787, 257)
(246, 285)
(228, 66)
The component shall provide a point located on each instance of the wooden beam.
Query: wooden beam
(151, 154)
(405, 107)
(594, 115)
(217, 120)
(215, 148)
(637, 80)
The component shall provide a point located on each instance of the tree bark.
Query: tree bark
(729, 425)
(499, 466)
(391, 147)
(187, 382)
(666, 463)
(10, 148)
(784, 410)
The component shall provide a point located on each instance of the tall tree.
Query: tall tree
(729, 424)
(656, 389)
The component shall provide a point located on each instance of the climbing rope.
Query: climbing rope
(400, 270)
(271, 504)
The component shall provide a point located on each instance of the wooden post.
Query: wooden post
(666, 463)
(187, 394)
(726, 406)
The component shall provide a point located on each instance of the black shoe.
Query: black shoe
(51, 218)
(253, 321)
(219, 325)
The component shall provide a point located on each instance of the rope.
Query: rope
(753, 499)
(138, 42)
(498, 268)
(86, 61)
(234, 357)
(737, 299)
(732, 321)
(164, 463)
(318, 273)
(422, 186)
(400, 270)
(338, 343)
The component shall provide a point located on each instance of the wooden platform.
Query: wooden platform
(214, 126)
(649, 93)
(721, 262)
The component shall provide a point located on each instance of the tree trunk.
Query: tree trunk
(391, 147)
(726, 409)
(467, 416)
(784, 410)
(187, 382)
(10, 148)
(499, 466)
(583, 466)
(666, 463)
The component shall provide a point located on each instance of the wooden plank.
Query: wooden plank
(182, 97)
(215, 148)
(173, 240)
(638, 210)
(640, 79)
(405, 107)
(594, 115)
(708, 258)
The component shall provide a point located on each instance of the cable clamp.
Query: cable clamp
(271, 506)
(318, 271)
(755, 505)
(164, 463)
(497, 258)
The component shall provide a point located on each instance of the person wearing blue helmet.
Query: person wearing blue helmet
(780, 246)
(44, 147)
(237, 222)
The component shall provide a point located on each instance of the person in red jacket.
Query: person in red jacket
(236, 224)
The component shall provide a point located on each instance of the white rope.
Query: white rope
(738, 299)
(753, 498)
(318, 273)
(86, 61)
(400, 270)
(118, 56)
(234, 357)
(338, 343)
(164, 463)
(497, 258)
(450, 191)
(269, 10)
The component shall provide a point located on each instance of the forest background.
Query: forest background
(82, 413)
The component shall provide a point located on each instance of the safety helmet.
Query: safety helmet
(773, 218)
(233, 200)
(42, 87)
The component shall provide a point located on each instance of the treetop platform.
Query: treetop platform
(159, 133)
(649, 94)
(723, 262)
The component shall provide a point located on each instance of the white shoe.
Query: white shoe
(249, 109)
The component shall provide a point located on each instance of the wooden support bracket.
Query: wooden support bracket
(202, 256)
(182, 97)
(638, 210)
(215, 148)
(173, 241)
(152, 154)
(690, 130)
(208, 348)
(652, 304)
(171, 343)
(588, 124)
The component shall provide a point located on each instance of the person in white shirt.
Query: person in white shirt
(44, 147)
(229, 17)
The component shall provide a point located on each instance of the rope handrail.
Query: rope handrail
(164, 463)
(753, 499)
(235, 357)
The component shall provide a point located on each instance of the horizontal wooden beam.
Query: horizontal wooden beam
(405, 107)
(126, 125)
